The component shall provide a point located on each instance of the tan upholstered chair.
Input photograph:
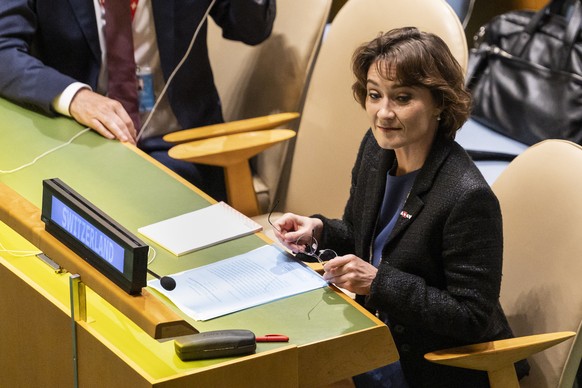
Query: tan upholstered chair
(254, 81)
(540, 194)
(332, 123)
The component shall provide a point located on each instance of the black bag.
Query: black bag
(525, 73)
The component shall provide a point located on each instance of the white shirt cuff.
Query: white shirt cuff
(62, 102)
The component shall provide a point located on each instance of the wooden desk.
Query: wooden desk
(331, 338)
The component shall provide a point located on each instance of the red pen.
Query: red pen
(273, 338)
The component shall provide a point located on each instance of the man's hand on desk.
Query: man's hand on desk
(102, 114)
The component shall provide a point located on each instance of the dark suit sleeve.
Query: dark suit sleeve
(248, 21)
(24, 78)
(472, 251)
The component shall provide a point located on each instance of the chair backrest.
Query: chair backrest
(332, 123)
(272, 76)
(540, 195)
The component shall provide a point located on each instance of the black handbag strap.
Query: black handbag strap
(572, 33)
(479, 155)
(537, 20)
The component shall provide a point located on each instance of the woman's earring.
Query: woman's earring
(439, 118)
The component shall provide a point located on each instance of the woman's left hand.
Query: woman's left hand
(350, 272)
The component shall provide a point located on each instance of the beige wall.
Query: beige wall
(533, 4)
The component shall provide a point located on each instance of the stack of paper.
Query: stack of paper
(199, 229)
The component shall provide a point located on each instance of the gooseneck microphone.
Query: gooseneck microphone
(168, 283)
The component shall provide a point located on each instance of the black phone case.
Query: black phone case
(215, 344)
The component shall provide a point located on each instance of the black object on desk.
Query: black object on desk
(215, 344)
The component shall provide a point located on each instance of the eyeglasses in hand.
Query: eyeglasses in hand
(308, 244)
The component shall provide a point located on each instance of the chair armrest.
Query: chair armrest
(233, 153)
(496, 354)
(227, 150)
(232, 127)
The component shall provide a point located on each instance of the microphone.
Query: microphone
(168, 283)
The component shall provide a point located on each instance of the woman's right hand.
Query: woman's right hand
(290, 227)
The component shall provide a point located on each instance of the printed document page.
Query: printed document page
(253, 278)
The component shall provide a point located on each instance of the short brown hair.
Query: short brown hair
(418, 59)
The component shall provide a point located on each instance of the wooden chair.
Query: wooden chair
(256, 84)
(541, 292)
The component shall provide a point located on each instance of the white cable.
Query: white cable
(468, 14)
(45, 153)
(153, 255)
(171, 77)
(18, 253)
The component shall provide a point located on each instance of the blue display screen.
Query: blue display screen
(87, 234)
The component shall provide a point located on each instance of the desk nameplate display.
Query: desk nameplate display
(94, 236)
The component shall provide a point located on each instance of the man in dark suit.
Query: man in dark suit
(52, 56)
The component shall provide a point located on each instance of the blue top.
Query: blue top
(395, 194)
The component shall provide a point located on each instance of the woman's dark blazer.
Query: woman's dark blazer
(439, 280)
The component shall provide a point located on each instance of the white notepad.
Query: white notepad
(200, 229)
